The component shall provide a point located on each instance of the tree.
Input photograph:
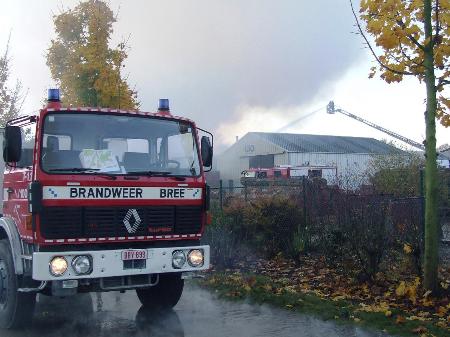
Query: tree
(396, 173)
(86, 68)
(413, 37)
(11, 98)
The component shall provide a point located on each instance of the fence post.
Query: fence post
(304, 203)
(422, 201)
(221, 194)
(245, 193)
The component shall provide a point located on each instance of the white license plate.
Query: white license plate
(134, 255)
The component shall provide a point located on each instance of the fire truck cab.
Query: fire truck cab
(101, 200)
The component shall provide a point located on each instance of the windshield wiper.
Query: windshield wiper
(151, 173)
(156, 174)
(75, 169)
(87, 170)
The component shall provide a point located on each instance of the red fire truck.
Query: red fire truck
(255, 176)
(101, 200)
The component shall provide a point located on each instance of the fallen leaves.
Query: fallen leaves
(442, 311)
(408, 289)
(403, 301)
(377, 307)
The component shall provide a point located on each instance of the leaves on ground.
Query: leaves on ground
(403, 301)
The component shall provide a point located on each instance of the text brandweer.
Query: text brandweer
(120, 192)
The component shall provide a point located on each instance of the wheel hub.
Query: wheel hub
(3, 283)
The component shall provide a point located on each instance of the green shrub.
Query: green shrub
(268, 225)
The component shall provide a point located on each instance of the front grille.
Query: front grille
(98, 222)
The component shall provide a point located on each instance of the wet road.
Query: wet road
(198, 314)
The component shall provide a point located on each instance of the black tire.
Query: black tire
(16, 309)
(165, 294)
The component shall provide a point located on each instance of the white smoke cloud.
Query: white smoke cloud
(210, 57)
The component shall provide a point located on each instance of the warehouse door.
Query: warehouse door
(266, 161)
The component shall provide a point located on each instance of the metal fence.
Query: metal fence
(322, 204)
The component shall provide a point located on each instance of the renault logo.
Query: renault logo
(132, 228)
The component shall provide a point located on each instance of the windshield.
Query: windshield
(117, 144)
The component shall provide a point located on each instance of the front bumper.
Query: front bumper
(108, 263)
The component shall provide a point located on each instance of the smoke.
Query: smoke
(199, 313)
(212, 58)
(217, 61)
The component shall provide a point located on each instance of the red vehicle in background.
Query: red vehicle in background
(288, 173)
(100, 200)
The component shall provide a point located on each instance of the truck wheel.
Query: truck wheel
(16, 309)
(165, 294)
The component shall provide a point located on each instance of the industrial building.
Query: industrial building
(348, 155)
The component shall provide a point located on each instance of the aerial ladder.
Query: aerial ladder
(331, 109)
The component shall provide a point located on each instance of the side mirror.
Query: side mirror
(206, 151)
(12, 146)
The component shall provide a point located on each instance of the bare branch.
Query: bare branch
(371, 49)
(442, 82)
(410, 37)
(414, 65)
(5, 57)
(23, 100)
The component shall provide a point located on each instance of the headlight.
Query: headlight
(195, 258)
(58, 266)
(178, 259)
(82, 265)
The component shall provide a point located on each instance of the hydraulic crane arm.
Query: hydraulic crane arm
(331, 110)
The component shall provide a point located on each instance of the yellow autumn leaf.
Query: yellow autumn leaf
(407, 248)
(427, 302)
(338, 298)
(442, 311)
(401, 289)
(377, 307)
(442, 324)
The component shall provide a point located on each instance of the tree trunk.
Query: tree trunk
(431, 174)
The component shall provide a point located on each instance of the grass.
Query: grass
(260, 289)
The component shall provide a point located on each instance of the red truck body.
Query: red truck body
(17, 180)
(100, 200)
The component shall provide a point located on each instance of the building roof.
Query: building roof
(333, 144)
(445, 154)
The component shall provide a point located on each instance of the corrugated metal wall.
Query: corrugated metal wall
(236, 159)
(349, 165)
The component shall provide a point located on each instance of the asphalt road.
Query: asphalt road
(199, 313)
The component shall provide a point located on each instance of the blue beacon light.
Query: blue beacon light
(53, 95)
(163, 104)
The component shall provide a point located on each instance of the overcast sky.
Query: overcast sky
(235, 66)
